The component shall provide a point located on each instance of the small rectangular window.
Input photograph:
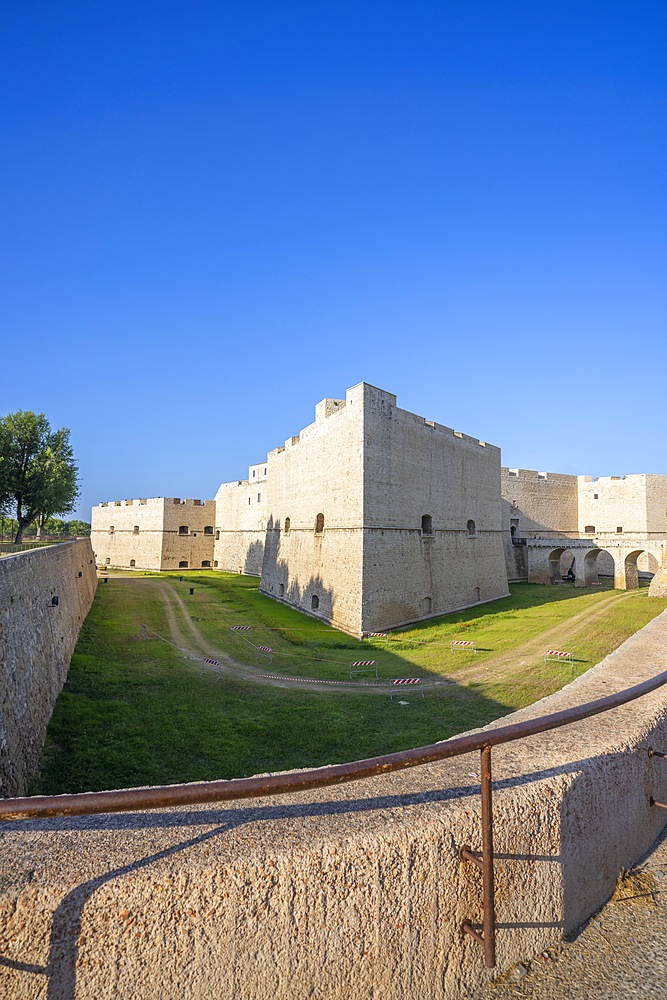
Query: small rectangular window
(259, 497)
(619, 530)
(595, 496)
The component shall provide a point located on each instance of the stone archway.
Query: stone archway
(630, 569)
(589, 560)
(554, 557)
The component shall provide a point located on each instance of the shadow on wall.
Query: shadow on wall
(312, 597)
(541, 892)
(254, 559)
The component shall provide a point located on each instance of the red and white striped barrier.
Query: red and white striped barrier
(363, 667)
(467, 644)
(377, 635)
(240, 628)
(208, 664)
(558, 654)
(401, 681)
(265, 649)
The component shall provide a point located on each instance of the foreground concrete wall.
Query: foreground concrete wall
(349, 892)
(36, 642)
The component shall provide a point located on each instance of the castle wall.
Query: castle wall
(612, 502)
(412, 468)
(194, 548)
(318, 472)
(37, 639)
(541, 502)
(144, 534)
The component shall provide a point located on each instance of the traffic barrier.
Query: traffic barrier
(466, 644)
(213, 665)
(403, 681)
(558, 654)
(363, 667)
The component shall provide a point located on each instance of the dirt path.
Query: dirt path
(196, 646)
(184, 634)
(559, 637)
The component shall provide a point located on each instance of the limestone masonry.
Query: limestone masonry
(373, 517)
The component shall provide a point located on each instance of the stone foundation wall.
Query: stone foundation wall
(37, 639)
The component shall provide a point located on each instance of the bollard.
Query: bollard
(105, 580)
(192, 590)
(181, 579)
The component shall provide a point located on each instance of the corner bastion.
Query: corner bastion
(344, 892)
(45, 594)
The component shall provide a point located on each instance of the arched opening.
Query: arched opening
(288, 524)
(590, 564)
(631, 571)
(206, 562)
(217, 534)
(319, 524)
(426, 606)
(472, 530)
(513, 530)
(107, 562)
(135, 529)
(647, 566)
(208, 529)
(183, 529)
(478, 594)
(314, 602)
(427, 524)
(183, 564)
(557, 563)
(215, 564)
(281, 590)
(133, 562)
(111, 529)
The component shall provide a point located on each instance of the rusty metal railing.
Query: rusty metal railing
(124, 800)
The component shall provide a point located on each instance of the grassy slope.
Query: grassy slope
(135, 712)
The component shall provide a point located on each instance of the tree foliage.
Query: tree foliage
(38, 474)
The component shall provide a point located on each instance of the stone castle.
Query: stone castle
(373, 517)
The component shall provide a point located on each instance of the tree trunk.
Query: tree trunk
(22, 523)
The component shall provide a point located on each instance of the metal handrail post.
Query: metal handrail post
(487, 861)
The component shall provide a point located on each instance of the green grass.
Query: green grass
(136, 712)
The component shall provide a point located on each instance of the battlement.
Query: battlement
(533, 476)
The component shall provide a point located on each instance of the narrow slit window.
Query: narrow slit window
(472, 530)
(288, 524)
(427, 524)
(319, 525)
(314, 602)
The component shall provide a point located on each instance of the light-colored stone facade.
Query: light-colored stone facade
(409, 517)
(373, 517)
(611, 509)
(159, 533)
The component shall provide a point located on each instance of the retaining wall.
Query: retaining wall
(348, 892)
(36, 643)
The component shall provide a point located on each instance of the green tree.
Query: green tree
(38, 475)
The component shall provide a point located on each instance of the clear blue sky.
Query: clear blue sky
(215, 214)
